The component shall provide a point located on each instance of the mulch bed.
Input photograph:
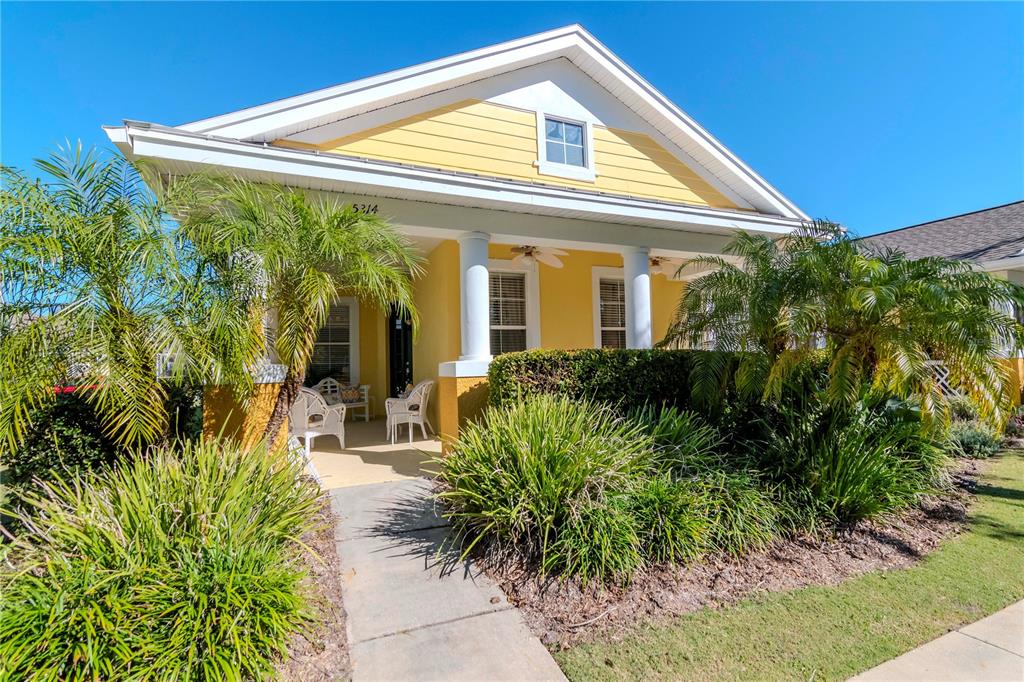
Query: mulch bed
(322, 653)
(563, 613)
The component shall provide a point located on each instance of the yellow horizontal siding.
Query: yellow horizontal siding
(498, 141)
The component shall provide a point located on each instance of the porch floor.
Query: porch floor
(370, 458)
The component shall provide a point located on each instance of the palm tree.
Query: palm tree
(93, 294)
(879, 317)
(294, 256)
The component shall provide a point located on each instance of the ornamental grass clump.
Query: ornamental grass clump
(579, 490)
(179, 565)
(855, 463)
(540, 478)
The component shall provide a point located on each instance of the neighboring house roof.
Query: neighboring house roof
(985, 236)
(338, 107)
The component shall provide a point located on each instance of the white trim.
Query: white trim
(288, 116)
(463, 368)
(585, 173)
(597, 273)
(532, 295)
(185, 151)
(353, 336)
(1009, 263)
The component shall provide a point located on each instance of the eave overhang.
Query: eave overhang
(174, 151)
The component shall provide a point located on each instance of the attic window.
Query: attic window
(564, 148)
(564, 142)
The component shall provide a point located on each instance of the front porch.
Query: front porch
(369, 457)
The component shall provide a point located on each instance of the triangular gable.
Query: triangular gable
(694, 147)
(496, 140)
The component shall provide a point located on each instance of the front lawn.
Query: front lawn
(834, 632)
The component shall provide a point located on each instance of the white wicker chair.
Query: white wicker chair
(311, 417)
(410, 410)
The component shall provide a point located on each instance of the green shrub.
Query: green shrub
(630, 379)
(852, 464)
(1015, 424)
(579, 490)
(596, 539)
(65, 439)
(684, 440)
(740, 512)
(178, 565)
(962, 409)
(634, 379)
(185, 411)
(973, 439)
(539, 478)
(672, 519)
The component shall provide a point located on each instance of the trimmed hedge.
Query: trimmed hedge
(629, 378)
(634, 377)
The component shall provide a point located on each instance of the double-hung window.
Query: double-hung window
(508, 312)
(612, 312)
(335, 352)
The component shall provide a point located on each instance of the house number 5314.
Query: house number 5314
(365, 208)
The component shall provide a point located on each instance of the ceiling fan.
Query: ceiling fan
(536, 254)
(663, 265)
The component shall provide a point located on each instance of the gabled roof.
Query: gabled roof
(274, 120)
(991, 234)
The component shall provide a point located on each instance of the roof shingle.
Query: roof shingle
(985, 235)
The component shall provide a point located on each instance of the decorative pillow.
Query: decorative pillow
(351, 394)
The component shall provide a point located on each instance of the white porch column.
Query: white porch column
(475, 320)
(637, 274)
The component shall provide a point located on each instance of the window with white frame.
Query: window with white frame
(565, 148)
(565, 142)
(335, 352)
(612, 312)
(508, 312)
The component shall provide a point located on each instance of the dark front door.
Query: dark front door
(399, 353)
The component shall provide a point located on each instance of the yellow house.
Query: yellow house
(552, 191)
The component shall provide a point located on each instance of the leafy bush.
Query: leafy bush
(853, 463)
(65, 439)
(630, 379)
(1015, 425)
(184, 411)
(962, 409)
(973, 439)
(179, 565)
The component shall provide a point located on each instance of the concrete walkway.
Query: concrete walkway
(991, 649)
(415, 611)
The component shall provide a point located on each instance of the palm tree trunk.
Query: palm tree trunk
(285, 397)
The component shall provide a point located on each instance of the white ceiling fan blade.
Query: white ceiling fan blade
(547, 259)
(557, 252)
(519, 258)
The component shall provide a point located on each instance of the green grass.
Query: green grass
(834, 632)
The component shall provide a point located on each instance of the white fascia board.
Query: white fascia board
(254, 121)
(377, 178)
(284, 117)
(1011, 263)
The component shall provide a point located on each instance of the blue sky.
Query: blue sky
(877, 115)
